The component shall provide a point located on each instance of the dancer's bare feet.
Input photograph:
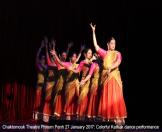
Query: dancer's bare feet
(68, 118)
(119, 121)
(35, 116)
(46, 118)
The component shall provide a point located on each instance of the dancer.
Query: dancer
(58, 101)
(84, 68)
(71, 91)
(94, 74)
(41, 69)
(111, 104)
(51, 80)
(64, 54)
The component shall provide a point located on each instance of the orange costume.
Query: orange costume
(93, 98)
(83, 91)
(111, 103)
(38, 102)
(51, 80)
(58, 101)
(71, 90)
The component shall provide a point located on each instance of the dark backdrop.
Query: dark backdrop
(135, 26)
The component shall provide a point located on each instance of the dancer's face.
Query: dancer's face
(89, 54)
(111, 45)
(74, 57)
(64, 56)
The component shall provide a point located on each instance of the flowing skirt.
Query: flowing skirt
(83, 100)
(71, 93)
(58, 105)
(111, 104)
(47, 106)
(58, 97)
(93, 104)
(37, 101)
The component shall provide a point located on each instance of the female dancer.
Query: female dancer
(41, 69)
(111, 104)
(82, 101)
(93, 98)
(58, 101)
(64, 54)
(71, 90)
(51, 80)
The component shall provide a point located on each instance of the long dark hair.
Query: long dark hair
(86, 50)
(109, 39)
(71, 55)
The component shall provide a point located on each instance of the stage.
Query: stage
(135, 26)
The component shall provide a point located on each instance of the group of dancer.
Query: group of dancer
(88, 90)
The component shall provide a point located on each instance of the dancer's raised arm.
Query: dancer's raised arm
(93, 27)
(53, 52)
(47, 55)
(70, 44)
(80, 53)
(38, 52)
(40, 62)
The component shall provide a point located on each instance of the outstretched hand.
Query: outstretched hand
(82, 47)
(53, 52)
(93, 27)
(53, 42)
(70, 44)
